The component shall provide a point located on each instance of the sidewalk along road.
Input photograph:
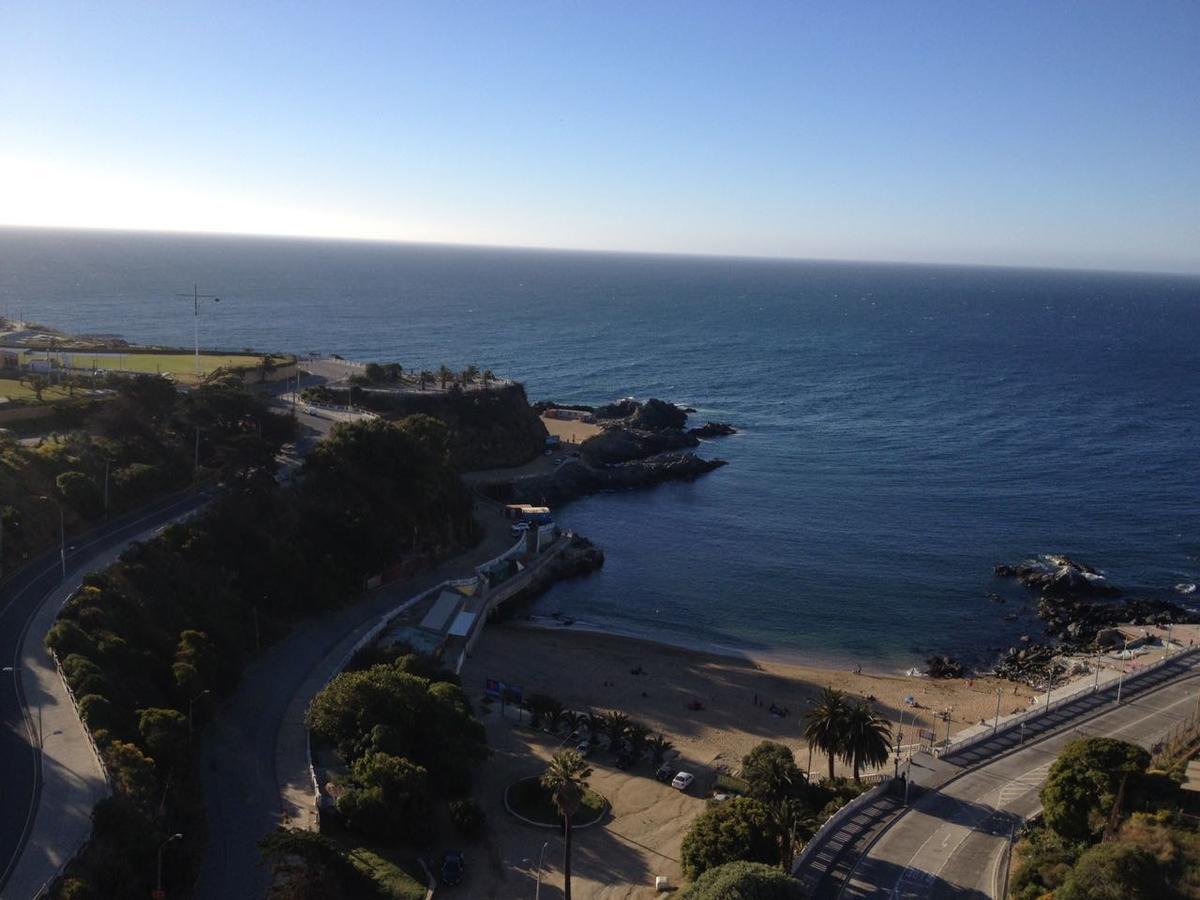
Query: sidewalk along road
(953, 840)
(246, 788)
(21, 599)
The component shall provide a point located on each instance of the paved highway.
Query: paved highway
(20, 598)
(952, 841)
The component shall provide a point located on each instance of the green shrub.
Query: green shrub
(467, 818)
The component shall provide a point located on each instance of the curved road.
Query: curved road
(20, 599)
(952, 841)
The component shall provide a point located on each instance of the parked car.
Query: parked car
(683, 781)
(519, 529)
(453, 866)
(665, 773)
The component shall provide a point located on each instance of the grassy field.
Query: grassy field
(393, 878)
(529, 799)
(14, 390)
(181, 366)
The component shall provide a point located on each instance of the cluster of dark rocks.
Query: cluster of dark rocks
(712, 430)
(1032, 664)
(944, 667)
(1059, 576)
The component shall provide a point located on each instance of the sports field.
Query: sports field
(181, 366)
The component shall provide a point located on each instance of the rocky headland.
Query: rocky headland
(1081, 611)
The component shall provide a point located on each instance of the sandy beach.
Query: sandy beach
(642, 835)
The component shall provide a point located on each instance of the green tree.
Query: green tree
(488, 376)
(615, 725)
(164, 733)
(740, 829)
(866, 738)
(309, 866)
(770, 770)
(38, 384)
(388, 797)
(659, 748)
(444, 374)
(81, 493)
(132, 771)
(470, 373)
(1115, 872)
(1082, 785)
(825, 724)
(566, 780)
(542, 707)
(374, 372)
(743, 881)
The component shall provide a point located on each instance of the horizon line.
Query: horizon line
(749, 257)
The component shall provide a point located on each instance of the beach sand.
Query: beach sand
(641, 839)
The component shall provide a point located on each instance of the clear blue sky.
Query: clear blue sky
(1041, 133)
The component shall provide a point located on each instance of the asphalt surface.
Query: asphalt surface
(952, 840)
(20, 597)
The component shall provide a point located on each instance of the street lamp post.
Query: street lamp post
(196, 298)
(996, 724)
(158, 890)
(191, 703)
(537, 891)
(62, 533)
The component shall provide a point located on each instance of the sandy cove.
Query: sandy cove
(641, 839)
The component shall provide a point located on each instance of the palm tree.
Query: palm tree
(825, 724)
(566, 780)
(488, 375)
(867, 738)
(594, 722)
(637, 733)
(444, 375)
(470, 373)
(571, 719)
(659, 748)
(615, 724)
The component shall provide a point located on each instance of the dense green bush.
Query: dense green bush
(744, 881)
(467, 817)
(1083, 782)
(736, 830)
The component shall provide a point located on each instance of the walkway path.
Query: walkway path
(256, 755)
(49, 795)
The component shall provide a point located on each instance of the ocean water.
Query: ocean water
(903, 428)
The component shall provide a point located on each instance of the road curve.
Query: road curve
(21, 598)
(952, 841)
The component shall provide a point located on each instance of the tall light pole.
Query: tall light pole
(191, 703)
(537, 892)
(196, 298)
(62, 533)
(158, 890)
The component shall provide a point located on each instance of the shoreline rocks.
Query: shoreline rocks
(1058, 576)
(712, 430)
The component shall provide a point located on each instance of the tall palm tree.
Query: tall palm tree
(867, 739)
(825, 724)
(615, 724)
(444, 375)
(566, 780)
(470, 373)
(571, 719)
(594, 722)
(637, 733)
(659, 748)
(488, 375)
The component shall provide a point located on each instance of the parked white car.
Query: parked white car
(683, 781)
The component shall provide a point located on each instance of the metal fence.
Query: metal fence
(1038, 711)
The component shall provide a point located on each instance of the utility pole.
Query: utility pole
(196, 298)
